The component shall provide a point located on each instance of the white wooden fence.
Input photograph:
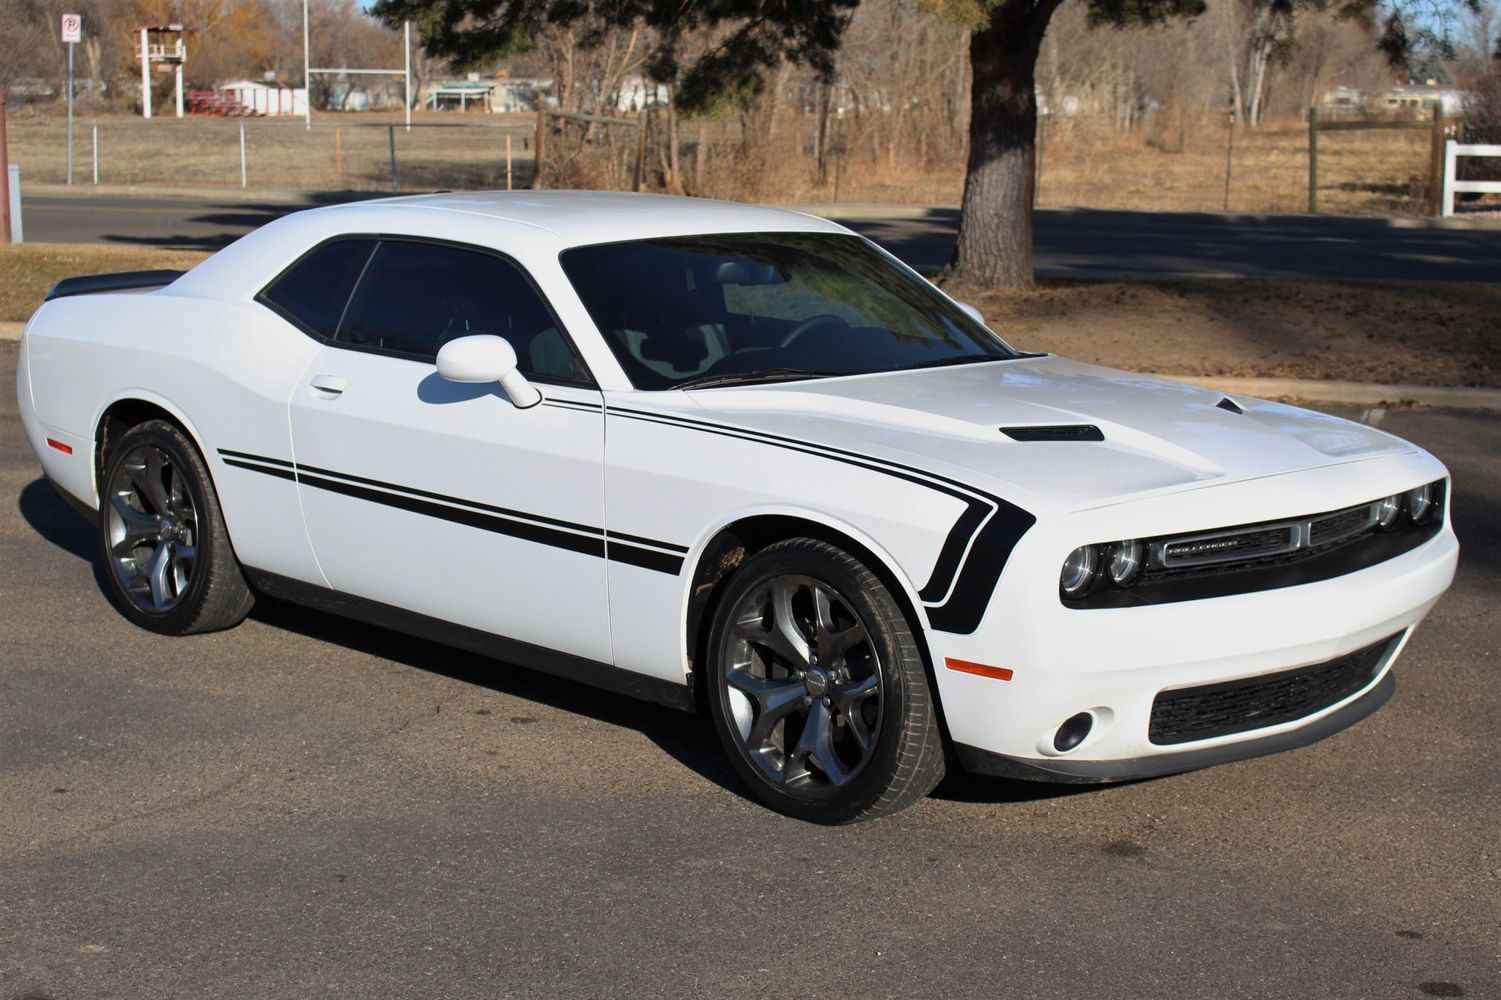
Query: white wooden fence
(1452, 152)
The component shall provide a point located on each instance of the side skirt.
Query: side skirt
(497, 647)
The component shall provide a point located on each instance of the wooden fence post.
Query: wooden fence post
(1313, 160)
(640, 150)
(537, 160)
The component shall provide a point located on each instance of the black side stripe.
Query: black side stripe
(662, 557)
(255, 458)
(969, 579)
(279, 473)
(590, 545)
(303, 470)
(622, 536)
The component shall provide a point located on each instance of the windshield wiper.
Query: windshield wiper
(752, 378)
(959, 359)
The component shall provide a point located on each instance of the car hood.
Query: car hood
(1159, 435)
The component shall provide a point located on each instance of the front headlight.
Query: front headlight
(1125, 562)
(1079, 571)
(1388, 510)
(1420, 503)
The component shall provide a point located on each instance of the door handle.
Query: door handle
(328, 385)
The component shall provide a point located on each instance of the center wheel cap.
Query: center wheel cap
(817, 682)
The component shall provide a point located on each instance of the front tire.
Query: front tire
(169, 565)
(817, 688)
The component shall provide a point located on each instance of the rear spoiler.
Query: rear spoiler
(120, 281)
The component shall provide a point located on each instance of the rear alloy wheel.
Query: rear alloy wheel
(818, 690)
(171, 568)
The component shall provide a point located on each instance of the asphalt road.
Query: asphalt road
(306, 807)
(1069, 243)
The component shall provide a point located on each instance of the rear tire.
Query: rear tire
(817, 688)
(169, 565)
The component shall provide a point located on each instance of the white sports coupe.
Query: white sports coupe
(723, 456)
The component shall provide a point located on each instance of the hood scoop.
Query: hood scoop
(1226, 403)
(1055, 432)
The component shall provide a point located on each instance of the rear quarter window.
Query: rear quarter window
(313, 292)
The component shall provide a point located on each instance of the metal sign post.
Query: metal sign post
(4, 176)
(72, 25)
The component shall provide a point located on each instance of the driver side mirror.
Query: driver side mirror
(487, 358)
(972, 313)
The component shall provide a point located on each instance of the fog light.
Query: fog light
(1079, 571)
(1387, 512)
(1420, 503)
(1072, 732)
(1125, 562)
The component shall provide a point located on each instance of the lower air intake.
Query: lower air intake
(1187, 714)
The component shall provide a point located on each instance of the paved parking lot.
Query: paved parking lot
(308, 807)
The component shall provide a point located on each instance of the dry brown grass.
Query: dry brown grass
(27, 270)
(1391, 334)
(342, 152)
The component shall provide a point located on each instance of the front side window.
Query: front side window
(415, 297)
(694, 311)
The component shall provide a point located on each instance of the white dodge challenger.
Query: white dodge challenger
(725, 456)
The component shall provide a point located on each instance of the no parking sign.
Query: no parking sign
(72, 28)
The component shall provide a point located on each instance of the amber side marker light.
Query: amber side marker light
(978, 669)
(56, 445)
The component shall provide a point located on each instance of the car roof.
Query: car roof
(547, 222)
(581, 217)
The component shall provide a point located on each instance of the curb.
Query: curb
(880, 210)
(826, 210)
(1351, 393)
(278, 196)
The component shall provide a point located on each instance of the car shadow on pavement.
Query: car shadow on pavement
(685, 738)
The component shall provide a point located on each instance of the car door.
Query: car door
(445, 498)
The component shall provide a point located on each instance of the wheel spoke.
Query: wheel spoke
(775, 700)
(817, 744)
(156, 575)
(849, 698)
(148, 478)
(138, 527)
(793, 644)
(859, 731)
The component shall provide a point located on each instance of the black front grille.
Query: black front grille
(1342, 525)
(1201, 713)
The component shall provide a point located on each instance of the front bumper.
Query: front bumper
(1091, 772)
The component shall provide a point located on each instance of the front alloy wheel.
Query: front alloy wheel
(817, 687)
(804, 684)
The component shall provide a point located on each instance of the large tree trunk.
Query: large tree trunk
(995, 225)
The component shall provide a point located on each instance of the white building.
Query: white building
(267, 99)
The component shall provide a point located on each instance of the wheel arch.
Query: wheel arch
(728, 546)
(127, 410)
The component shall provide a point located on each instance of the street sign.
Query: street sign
(72, 28)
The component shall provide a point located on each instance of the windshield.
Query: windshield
(698, 311)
